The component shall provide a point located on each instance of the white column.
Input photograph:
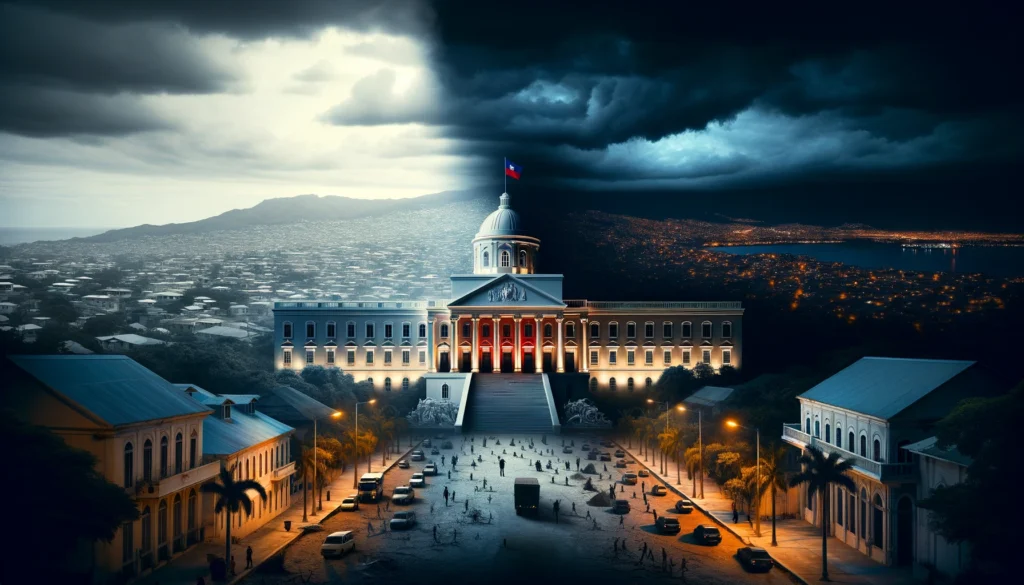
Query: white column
(456, 353)
(584, 338)
(431, 357)
(561, 352)
(517, 359)
(538, 365)
(496, 350)
(476, 344)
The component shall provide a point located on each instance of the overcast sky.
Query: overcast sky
(117, 113)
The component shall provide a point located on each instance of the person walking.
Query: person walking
(577, 464)
(556, 506)
(616, 545)
(248, 557)
(643, 553)
(735, 514)
(453, 496)
(501, 466)
(378, 510)
(442, 460)
(449, 474)
(369, 527)
(455, 535)
(643, 488)
(655, 516)
(622, 520)
(574, 509)
(445, 494)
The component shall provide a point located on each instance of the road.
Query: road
(495, 545)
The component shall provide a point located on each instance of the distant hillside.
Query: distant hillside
(285, 210)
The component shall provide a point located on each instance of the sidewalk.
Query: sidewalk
(799, 549)
(267, 540)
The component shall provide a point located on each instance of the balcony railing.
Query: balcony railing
(434, 304)
(284, 471)
(792, 431)
(698, 305)
(158, 488)
(886, 472)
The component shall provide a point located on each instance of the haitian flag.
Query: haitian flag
(512, 169)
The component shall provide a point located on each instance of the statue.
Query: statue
(506, 292)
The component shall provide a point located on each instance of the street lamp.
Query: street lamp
(355, 479)
(757, 477)
(335, 414)
(668, 413)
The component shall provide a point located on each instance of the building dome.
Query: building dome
(501, 222)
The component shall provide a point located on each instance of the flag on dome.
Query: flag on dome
(512, 169)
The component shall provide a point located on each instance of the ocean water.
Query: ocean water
(23, 235)
(1002, 261)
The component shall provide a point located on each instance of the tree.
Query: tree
(773, 478)
(104, 324)
(693, 465)
(49, 516)
(703, 371)
(676, 383)
(231, 497)
(672, 443)
(820, 471)
(317, 459)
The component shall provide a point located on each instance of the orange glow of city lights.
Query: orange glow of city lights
(732, 424)
(336, 414)
(373, 401)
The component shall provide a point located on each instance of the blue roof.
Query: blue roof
(116, 389)
(884, 387)
(288, 404)
(225, 437)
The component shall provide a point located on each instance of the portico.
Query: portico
(507, 340)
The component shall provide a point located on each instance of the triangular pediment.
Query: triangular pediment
(507, 291)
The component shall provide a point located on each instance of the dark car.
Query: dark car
(684, 507)
(706, 534)
(755, 559)
(592, 455)
(621, 507)
(426, 442)
(658, 490)
(667, 525)
(620, 453)
(606, 457)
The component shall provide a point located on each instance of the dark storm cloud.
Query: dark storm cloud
(46, 113)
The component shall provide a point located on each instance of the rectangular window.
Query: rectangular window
(423, 330)
(613, 330)
(630, 357)
(631, 330)
(649, 357)
(369, 331)
(570, 330)
(389, 329)
(387, 357)
(612, 358)
(528, 330)
(506, 331)
(726, 329)
(726, 357)
(666, 331)
(423, 357)
(467, 330)
(287, 330)
(369, 357)
(705, 330)
(309, 356)
(668, 357)
(405, 357)
(351, 359)
(332, 330)
(330, 357)
(687, 330)
(406, 330)
(287, 357)
(310, 330)
(350, 329)
(686, 358)
(595, 330)
(706, 357)
(649, 330)
(486, 331)
(593, 358)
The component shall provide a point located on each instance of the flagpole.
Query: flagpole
(504, 173)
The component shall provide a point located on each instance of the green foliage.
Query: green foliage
(223, 366)
(62, 483)
(703, 372)
(58, 308)
(676, 383)
(109, 324)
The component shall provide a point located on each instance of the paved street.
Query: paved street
(498, 545)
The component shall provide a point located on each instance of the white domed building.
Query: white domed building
(506, 318)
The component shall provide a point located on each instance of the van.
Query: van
(621, 507)
(338, 543)
(371, 487)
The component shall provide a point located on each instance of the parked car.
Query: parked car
(435, 451)
(403, 495)
(429, 469)
(438, 436)
(447, 445)
(427, 443)
(621, 507)
(403, 520)
(606, 457)
(338, 543)
(567, 449)
(606, 443)
(684, 507)
(350, 504)
(585, 447)
(667, 525)
(755, 559)
(417, 481)
(417, 455)
(629, 478)
(593, 455)
(403, 464)
(658, 490)
(620, 453)
(620, 463)
(706, 534)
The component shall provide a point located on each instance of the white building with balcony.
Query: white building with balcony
(868, 413)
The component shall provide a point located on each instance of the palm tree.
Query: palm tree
(231, 497)
(820, 471)
(321, 459)
(386, 431)
(773, 478)
(672, 442)
(692, 457)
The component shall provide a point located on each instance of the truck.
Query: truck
(371, 487)
(527, 495)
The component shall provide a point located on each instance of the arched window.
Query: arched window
(486, 261)
(807, 425)
(593, 384)
(147, 532)
(595, 329)
(246, 469)
(522, 258)
(444, 391)
(727, 329)
(191, 522)
(444, 330)
(817, 429)
(611, 384)
(839, 436)
(687, 329)
(851, 443)
(161, 527)
(547, 330)
(178, 453)
(863, 445)
(705, 329)
(828, 434)
(193, 450)
(648, 383)
(129, 465)
(506, 259)
(876, 450)
(176, 516)
(629, 384)
(147, 460)
(259, 466)
(310, 330)
(163, 457)
(877, 524)
(405, 384)
(387, 384)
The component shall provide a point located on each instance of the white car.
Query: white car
(338, 543)
(402, 520)
(430, 469)
(417, 481)
(403, 495)
(417, 455)
(350, 504)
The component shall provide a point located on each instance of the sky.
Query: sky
(118, 113)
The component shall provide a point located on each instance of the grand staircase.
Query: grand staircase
(507, 403)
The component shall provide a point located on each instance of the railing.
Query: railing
(439, 304)
(700, 305)
(896, 472)
(161, 487)
(863, 463)
(886, 472)
(284, 471)
(792, 431)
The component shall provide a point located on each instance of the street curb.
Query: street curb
(299, 533)
(714, 518)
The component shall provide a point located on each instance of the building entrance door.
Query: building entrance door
(467, 362)
(444, 365)
(528, 364)
(904, 532)
(546, 364)
(570, 361)
(486, 363)
(506, 362)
